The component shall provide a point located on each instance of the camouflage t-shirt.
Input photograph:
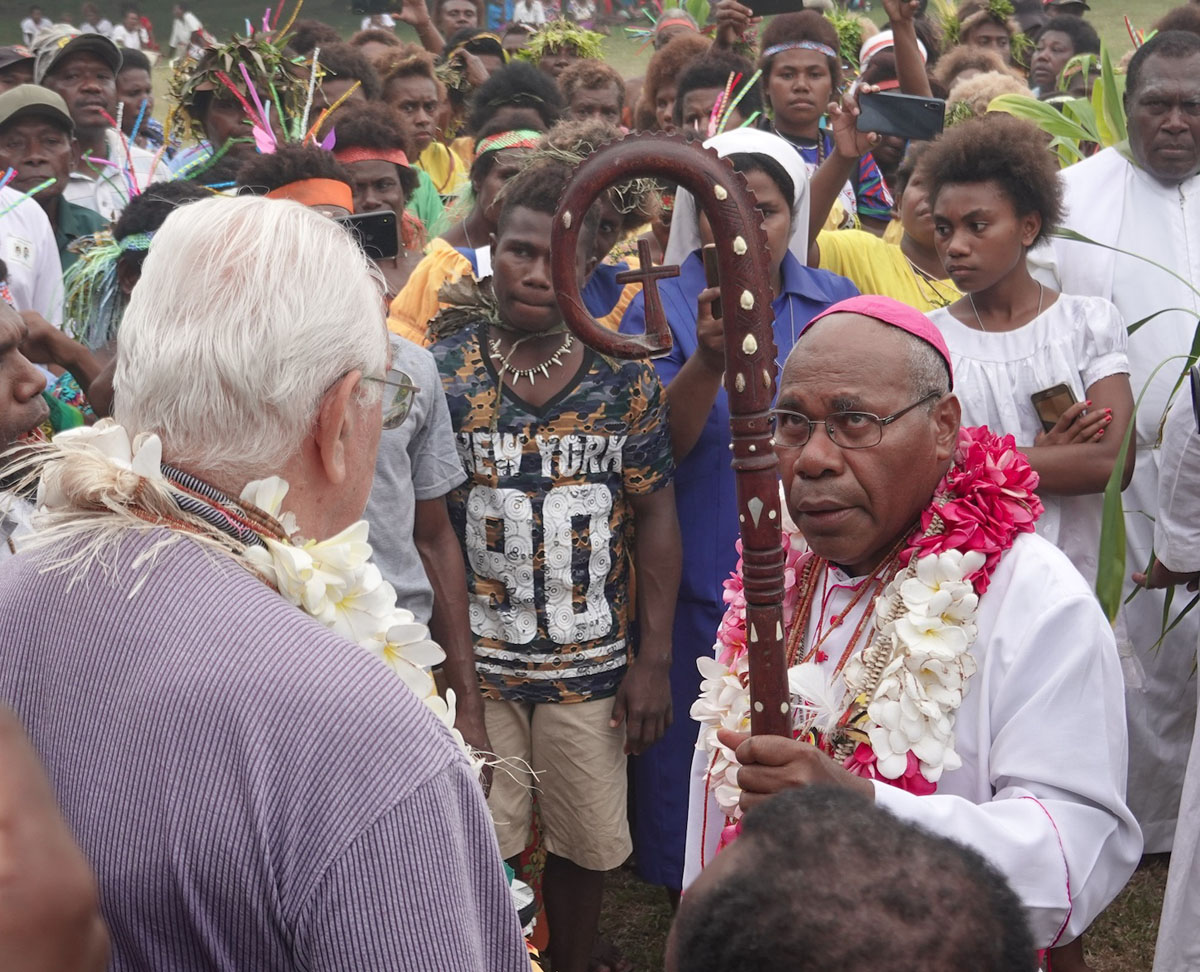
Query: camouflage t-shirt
(545, 521)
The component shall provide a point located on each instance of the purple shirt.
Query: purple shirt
(253, 791)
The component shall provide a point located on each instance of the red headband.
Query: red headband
(360, 154)
(316, 192)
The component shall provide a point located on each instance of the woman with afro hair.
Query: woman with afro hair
(995, 193)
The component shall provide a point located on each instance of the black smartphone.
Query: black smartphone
(1050, 403)
(375, 232)
(1194, 379)
(906, 116)
(712, 277)
(768, 8)
(373, 6)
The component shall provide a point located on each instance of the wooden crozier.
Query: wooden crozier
(750, 354)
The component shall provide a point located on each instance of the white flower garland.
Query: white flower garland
(332, 580)
(913, 676)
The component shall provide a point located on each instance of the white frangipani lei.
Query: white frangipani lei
(929, 613)
(99, 469)
(334, 581)
(925, 624)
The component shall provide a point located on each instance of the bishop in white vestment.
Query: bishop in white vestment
(1039, 789)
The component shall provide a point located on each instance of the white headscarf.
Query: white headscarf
(685, 230)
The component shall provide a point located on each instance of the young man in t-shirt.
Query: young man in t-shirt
(568, 459)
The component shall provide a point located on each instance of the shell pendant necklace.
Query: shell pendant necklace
(504, 361)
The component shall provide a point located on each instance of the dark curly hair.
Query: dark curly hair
(669, 62)
(516, 85)
(589, 75)
(375, 126)
(961, 58)
(309, 33)
(132, 60)
(539, 187)
(712, 71)
(882, 901)
(1186, 18)
(803, 25)
(1084, 39)
(148, 210)
(345, 61)
(289, 163)
(1003, 150)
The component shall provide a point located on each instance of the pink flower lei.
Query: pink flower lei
(985, 500)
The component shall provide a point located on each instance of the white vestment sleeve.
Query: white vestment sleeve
(1056, 824)
(1177, 526)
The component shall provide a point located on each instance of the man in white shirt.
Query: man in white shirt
(30, 255)
(82, 68)
(1144, 198)
(92, 21)
(32, 25)
(130, 32)
(183, 32)
(529, 12)
(1177, 547)
(1025, 754)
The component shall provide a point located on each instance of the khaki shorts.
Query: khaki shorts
(580, 767)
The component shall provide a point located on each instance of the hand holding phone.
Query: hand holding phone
(1051, 403)
(906, 116)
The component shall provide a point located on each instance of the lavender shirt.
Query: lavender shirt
(253, 791)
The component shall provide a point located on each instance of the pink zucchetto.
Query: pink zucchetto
(893, 312)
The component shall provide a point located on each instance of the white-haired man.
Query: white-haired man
(253, 789)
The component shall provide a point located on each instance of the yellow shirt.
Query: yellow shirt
(444, 167)
(417, 303)
(876, 267)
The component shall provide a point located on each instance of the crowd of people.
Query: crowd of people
(354, 611)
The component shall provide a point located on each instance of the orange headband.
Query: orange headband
(359, 154)
(316, 192)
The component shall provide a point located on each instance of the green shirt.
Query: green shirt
(427, 205)
(73, 222)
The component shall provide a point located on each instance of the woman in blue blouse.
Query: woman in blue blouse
(704, 484)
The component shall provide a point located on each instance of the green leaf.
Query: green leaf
(1048, 118)
(1133, 328)
(1110, 572)
(1179, 617)
(1110, 113)
(1080, 111)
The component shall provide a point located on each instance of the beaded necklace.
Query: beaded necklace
(817, 569)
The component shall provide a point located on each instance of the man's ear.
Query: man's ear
(335, 424)
(947, 416)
